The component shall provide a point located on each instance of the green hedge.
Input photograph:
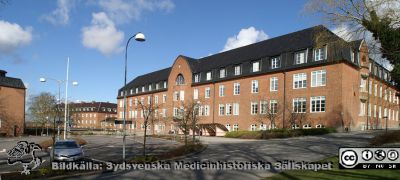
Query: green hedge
(278, 133)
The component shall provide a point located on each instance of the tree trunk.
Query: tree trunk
(144, 140)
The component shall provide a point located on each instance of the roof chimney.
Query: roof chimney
(3, 73)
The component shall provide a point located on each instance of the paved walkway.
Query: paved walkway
(311, 148)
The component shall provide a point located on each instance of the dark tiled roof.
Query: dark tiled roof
(146, 79)
(10, 82)
(272, 47)
(98, 106)
(356, 44)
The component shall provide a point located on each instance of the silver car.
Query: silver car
(67, 150)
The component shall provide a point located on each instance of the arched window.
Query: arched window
(180, 80)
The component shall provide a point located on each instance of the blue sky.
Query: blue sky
(37, 37)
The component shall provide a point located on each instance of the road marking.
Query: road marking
(3, 151)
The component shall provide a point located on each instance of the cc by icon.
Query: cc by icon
(348, 158)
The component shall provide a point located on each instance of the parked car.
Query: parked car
(67, 150)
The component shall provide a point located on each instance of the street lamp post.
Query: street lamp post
(138, 37)
(59, 82)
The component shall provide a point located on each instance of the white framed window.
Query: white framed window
(222, 73)
(196, 93)
(376, 90)
(256, 66)
(221, 90)
(254, 108)
(228, 108)
(235, 109)
(299, 57)
(299, 80)
(236, 88)
(221, 109)
(317, 104)
(273, 106)
(263, 107)
(150, 87)
(318, 78)
(197, 78)
(363, 85)
(362, 109)
(263, 127)
(275, 62)
(307, 126)
(182, 95)
(207, 92)
(143, 89)
(180, 80)
(131, 91)
(164, 98)
(164, 112)
(352, 55)
(380, 112)
(299, 105)
(320, 53)
(374, 111)
(385, 95)
(380, 92)
(253, 127)
(254, 86)
(235, 127)
(130, 102)
(157, 86)
(176, 96)
(208, 76)
(176, 112)
(238, 70)
(137, 90)
(228, 126)
(206, 110)
(273, 84)
(370, 87)
(165, 84)
(156, 99)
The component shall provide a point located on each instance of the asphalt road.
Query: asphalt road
(98, 148)
(311, 148)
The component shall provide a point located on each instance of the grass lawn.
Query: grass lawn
(336, 173)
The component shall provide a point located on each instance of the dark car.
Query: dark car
(67, 150)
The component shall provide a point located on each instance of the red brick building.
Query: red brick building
(311, 73)
(12, 105)
(93, 115)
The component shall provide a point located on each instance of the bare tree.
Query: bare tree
(147, 109)
(376, 21)
(297, 114)
(270, 110)
(42, 108)
(186, 117)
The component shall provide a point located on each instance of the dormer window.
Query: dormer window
(275, 62)
(299, 57)
(208, 76)
(256, 66)
(320, 54)
(165, 84)
(143, 89)
(131, 91)
(197, 78)
(149, 87)
(352, 55)
(238, 70)
(222, 73)
(137, 90)
(157, 86)
(180, 80)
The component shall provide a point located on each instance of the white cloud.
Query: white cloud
(102, 35)
(123, 11)
(13, 36)
(60, 16)
(245, 37)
